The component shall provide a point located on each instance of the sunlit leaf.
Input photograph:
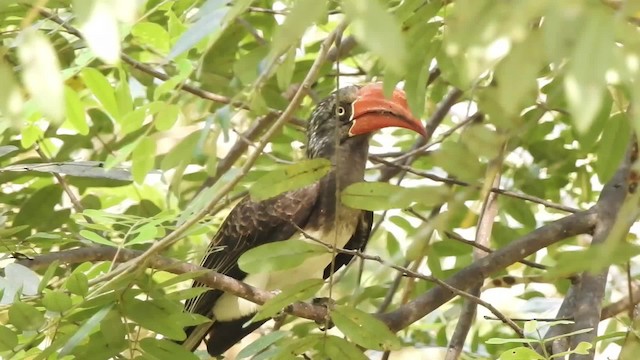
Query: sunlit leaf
(521, 353)
(96, 238)
(212, 18)
(612, 146)
(99, 26)
(87, 328)
(41, 73)
(8, 339)
(11, 97)
(165, 349)
(261, 343)
(300, 291)
(364, 329)
(289, 177)
(102, 90)
(25, 316)
(383, 196)
(143, 158)
(56, 301)
(585, 79)
(303, 14)
(378, 31)
(279, 255)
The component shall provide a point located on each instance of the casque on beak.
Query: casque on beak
(373, 111)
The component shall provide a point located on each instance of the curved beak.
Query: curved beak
(373, 111)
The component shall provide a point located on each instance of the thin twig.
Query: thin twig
(509, 193)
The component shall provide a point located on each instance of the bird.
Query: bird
(339, 130)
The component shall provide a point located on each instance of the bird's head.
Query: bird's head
(354, 112)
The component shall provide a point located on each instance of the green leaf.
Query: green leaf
(163, 349)
(25, 317)
(571, 262)
(521, 353)
(338, 348)
(85, 330)
(166, 117)
(146, 234)
(482, 141)
(261, 344)
(517, 73)
(612, 146)
(56, 301)
(75, 111)
(289, 177)
(377, 30)
(152, 35)
(284, 73)
(123, 92)
(585, 82)
(499, 341)
(364, 329)
(143, 158)
(96, 238)
(279, 255)
(99, 27)
(48, 275)
(383, 196)
(102, 90)
(298, 346)
(38, 209)
(303, 14)
(8, 339)
(41, 73)
(466, 166)
(77, 283)
(297, 292)
(11, 98)
(213, 18)
(583, 348)
(155, 316)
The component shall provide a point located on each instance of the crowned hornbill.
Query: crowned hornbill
(338, 130)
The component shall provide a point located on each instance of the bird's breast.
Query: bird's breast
(336, 233)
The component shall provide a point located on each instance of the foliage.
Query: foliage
(114, 113)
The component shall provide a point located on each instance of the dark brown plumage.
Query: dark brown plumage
(338, 130)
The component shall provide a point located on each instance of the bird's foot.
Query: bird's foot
(328, 303)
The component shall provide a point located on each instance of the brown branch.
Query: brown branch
(584, 299)
(210, 278)
(622, 305)
(575, 224)
(590, 291)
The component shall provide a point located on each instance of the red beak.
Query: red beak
(372, 111)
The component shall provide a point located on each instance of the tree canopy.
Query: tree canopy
(129, 129)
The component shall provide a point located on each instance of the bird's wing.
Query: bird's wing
(357, 242)
(248, 225)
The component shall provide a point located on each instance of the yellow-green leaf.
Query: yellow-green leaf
(75, 111)
(364, 329)
(377, 30)
(99, 26)
(383, 196)
(279, 255)
(289, 177)
(41, 73)
(297, 292)
(143, 158)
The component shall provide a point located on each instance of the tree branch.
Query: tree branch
(575, 224)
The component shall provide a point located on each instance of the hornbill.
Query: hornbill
(339, 130)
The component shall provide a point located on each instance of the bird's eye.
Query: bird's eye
(341, 111)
